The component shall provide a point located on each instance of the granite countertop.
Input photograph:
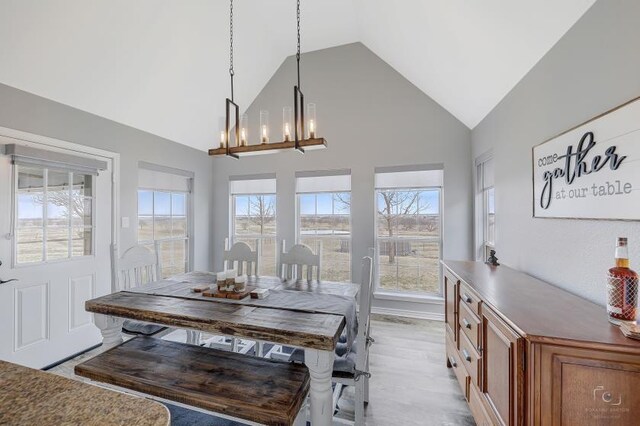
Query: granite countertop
(32, 397)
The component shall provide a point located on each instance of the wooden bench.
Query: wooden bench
(248, 388)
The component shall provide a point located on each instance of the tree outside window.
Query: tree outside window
(408, 240)
(254, 219)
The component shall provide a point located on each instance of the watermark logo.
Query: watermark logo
(606, 404)
(606, 396)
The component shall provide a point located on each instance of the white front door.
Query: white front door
(55, 234)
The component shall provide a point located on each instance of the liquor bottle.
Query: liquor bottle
(622, 287)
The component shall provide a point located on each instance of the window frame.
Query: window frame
(481, 207)
(188, 238)
(405, 295)
(299, 235)
(260, 237)
(14, 219)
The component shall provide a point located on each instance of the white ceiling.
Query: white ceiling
(162, 65)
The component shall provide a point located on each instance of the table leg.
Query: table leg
(320, 364)
(111, 329)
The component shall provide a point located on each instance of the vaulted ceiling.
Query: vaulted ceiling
(162, 65)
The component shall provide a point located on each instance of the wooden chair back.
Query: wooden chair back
(364, 314)
(292, 264)
(138, 265)
(241, 256)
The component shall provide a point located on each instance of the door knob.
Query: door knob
(8, 281)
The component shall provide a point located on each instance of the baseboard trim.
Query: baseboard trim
(434, 316)
(65, 359)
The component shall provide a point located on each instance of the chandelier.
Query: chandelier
(234, 131)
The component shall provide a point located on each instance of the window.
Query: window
(324, 221)
(408, 231)
(485, 207)
(54, 214)
(164, 217)
(253, 218)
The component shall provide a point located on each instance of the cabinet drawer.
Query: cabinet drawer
(478, 409)
(469, 324)
(458, 368)
(470, 358)
(469, 299)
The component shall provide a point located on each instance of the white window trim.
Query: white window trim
(480, 206)
(409, 296)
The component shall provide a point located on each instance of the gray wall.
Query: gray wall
(29, 113)
(371, 116)
(593, 68)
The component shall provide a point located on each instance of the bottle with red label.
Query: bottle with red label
(622, 287)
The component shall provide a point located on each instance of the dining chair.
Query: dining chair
(242, 258)
(291, 264)
(351, 368)
(245, 261)
(139, 265)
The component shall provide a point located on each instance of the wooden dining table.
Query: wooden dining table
(172, 303)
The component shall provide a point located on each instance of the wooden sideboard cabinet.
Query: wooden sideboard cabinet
(528, 353)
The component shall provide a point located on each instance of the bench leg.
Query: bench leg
(111, 329)
(320, 364)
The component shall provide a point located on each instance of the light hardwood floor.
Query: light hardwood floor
(410, 383)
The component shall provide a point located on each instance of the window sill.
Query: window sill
(409, 297)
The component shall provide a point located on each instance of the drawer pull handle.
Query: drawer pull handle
(466, 298)
(453, 362)
(466, 355)
(466, 323)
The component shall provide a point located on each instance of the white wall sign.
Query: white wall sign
(591, 171)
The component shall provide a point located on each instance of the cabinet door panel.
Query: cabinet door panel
(502, 368)
(588, 387)
(451, 304)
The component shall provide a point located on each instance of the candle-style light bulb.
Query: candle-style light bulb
(223, 139)
(312, 129)
(313, 124)
(223, 132)
(287, 132)
(264, 126)
(244, 124)
(286, 123)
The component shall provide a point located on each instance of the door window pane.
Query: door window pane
(81, 241)
(81, 212)
(30, 209)
(30, 245)
(57, 243)
(83, 185)
(66, 202)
